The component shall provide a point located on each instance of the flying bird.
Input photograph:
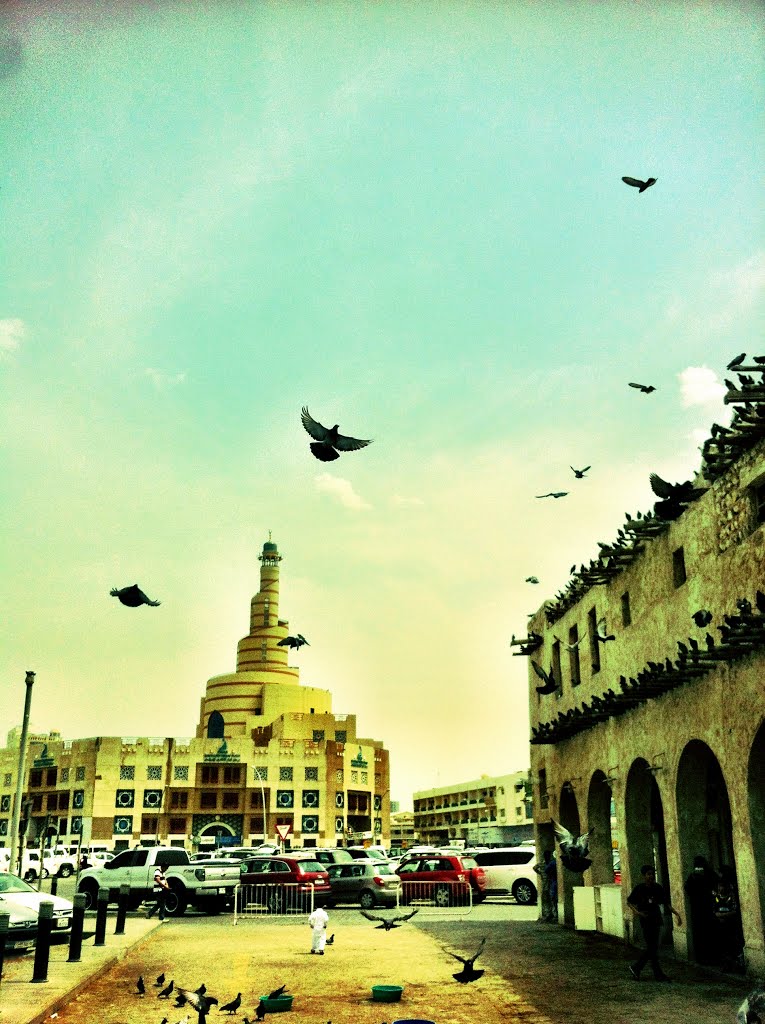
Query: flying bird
(569, 647)
(601, 635)
(531, 579)
(736, 362)
(165, 993)
(552, 494)
(641, 186)
(752, 1010)
(277, 992)
(579, 473)
(133, 597)
(201, 990)
(233, 1006)
(388, 922)
(702, 617)
(550, 686)
(160, 980)
(645, 388)
(468, 972)
(328, 443)
(574, 849)
(295, 642)
(200, 1003)
(139, 986)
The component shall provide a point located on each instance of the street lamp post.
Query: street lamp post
(16, 816)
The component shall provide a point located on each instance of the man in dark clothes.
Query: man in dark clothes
(646, 901)
(700, 889)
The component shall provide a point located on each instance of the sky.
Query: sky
(408, 217)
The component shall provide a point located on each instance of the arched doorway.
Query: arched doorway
(644, 836)
(568, 880)
(756, 787)
(215, 726)
(599, 803)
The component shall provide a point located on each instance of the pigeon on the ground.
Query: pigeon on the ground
(579, 473)
(468, 972)
(638, 184)
(233, 1006)
(646, 389)
(133, 597)
(388, 922)
(260, 1011)
(331, 940)
(294, 642)
(165, 993)
(550, 686)
(277, 992)
(139, 986)
(531, 579)
(329, 442)
(160, 980)
(702, 617)
(752, 1010)
(201, 990)
(552, 494)
(200, 1003)
(737, 361)
(574, 849)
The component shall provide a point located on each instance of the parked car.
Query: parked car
(366, 882)
(446, 879)
(22, 925)
(373, 853)
(286, 882)
(21, 894)
(329, 855)
(510, 871)
(58, 861)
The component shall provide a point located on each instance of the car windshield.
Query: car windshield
(12, 883)
(469, 862)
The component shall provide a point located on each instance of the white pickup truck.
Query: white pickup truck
(207, 887)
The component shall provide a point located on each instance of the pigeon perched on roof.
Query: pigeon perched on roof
(388, 922)
(468, 972)
(752, 1010)
(233, 1006)
(133, 597)
(702, 617)
(736, 361)
(329, 442)
(574, 849)
(579, 473)
(293, 641)
(646, 389)
(641, 186)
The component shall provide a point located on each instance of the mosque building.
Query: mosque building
(270, 759)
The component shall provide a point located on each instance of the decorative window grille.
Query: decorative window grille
(364, 778)
(310, 798)
(318, 735)
(79, 774)
(181, 772)
(125, 798)
(285, 774)
(123, 825)
(354, 776)
(310, 823)
(7, 779)
(285, 798)
(65, 775)
(260, 773)
(339, 799)
(341, 735)
(78, 798)
(312, 774)
(339, 775)
(152, 798)
(127, 772)
(154, 773)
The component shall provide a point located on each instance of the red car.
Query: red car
(445, 878)
(283, 883)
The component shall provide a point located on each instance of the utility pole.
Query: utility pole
(16, 816)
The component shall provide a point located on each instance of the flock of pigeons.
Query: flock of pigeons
(199, 1001)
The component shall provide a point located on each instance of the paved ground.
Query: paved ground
(534, 973)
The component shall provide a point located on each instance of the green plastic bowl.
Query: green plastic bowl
(277, 1005)
(387, 993)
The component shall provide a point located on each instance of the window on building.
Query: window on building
(260, 774)
(265, 612)
(63, 801)
(318, 735)
(79, 773)
(148, 823)
(37, 803)
(179, 799)
(154, 772)
(209, 775)
(264, 651)
(208, 801)
(543, 798)
(181, 772)
(312, 774)
(127, 772)
(256, 798)
(52, 803)
(626, 612)
(678, 567)
(285, 774)
(177, 826)
(592, 633)
(51, 776)
(230, 801)
(232, 774)
(573, 656)
(341, 735)
(556, 665)
(35, 779)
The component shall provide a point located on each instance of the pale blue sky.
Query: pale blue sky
(410, 218)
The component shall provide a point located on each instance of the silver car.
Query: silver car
(368, 883)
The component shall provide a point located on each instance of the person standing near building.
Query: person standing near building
(161, 889)
(548, 886)
(318, 922)
(700, 888)
(646, 901)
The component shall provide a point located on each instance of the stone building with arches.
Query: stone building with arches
(269, 758)
(653, 734)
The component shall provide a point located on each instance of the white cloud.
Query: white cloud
(340, 489)
(162, 380)
(12, 333)
(402, 502)
(701, 386)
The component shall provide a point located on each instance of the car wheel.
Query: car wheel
(525, 892)
(46, 873)
(366, 900)
(442, 897)
(276, 901)
(175, 902)
(89, 890)
(65, 871)
(31, 875)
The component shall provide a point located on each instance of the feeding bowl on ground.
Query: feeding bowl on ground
(278, 1004)
(387, 993)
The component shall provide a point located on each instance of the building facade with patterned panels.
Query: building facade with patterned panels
(269, 757)
(488, 811)
(651, 731)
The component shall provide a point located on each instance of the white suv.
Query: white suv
(510, 871)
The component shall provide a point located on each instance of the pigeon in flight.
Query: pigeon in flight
(569, 647)
(531, 579)
(641, 186)
(328, 443)
(752, 1010)
(233, 1006)
(550, 686)
(388, 922)
(293, 641)
(165, 993)
(133, 597)
(139, 986)
(468, 972)
(736, 362)
(200, 1003)
(646, 389)
(579, 473)
(277, 992)
(552, 494)
(601, 635)
(574, 850)
(702, 617)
